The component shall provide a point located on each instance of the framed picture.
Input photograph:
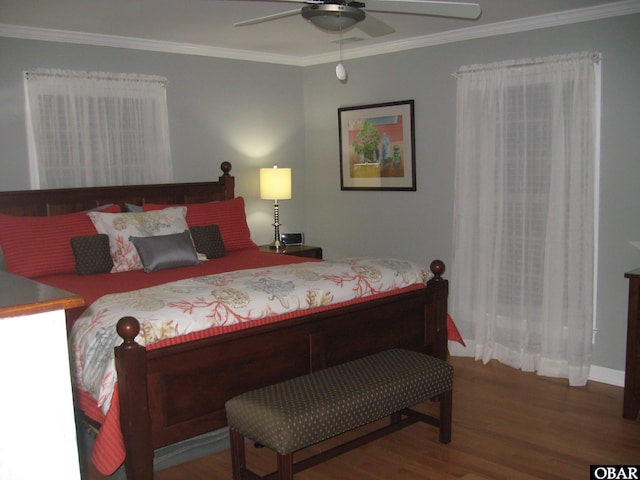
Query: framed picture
(377, 147)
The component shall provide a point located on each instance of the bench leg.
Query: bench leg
(446, 410)
(238, 459)
(285, 466)
(396, 418)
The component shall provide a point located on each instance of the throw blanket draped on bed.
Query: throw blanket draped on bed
(186, 306)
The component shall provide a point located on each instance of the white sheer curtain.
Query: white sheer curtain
(525, 226)
(90, 129)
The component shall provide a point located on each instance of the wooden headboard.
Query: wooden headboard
(69, 200)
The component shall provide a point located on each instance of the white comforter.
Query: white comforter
(196, 304)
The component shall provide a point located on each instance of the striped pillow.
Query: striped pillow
(37, 246)
(228, 215)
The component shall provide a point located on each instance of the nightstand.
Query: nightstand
(308, 251)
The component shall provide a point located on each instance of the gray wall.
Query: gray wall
(247, 113)
(418, 225)
(256, 114)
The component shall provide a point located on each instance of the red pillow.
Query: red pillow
(35, 246)
(228, 215)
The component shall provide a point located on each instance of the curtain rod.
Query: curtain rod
(526, 62)
(129, 77)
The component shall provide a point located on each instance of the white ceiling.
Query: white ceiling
(205, 27)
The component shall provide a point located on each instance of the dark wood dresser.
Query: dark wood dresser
(631, 403)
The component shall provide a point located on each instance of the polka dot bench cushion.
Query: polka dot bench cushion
(300, 412)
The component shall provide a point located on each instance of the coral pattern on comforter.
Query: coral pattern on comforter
(200, 303)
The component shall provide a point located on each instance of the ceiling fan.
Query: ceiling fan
(337, 15)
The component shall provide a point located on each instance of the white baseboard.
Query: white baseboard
(606, 375)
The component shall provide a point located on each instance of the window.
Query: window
(527, 139)
(95, 129)
(525, 226)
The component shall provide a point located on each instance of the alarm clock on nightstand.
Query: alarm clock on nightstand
(292, 238)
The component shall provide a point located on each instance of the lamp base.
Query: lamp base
(277, 244)
(279, 247)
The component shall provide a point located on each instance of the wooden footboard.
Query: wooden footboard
(173, 393)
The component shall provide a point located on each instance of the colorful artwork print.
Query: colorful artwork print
(377, 147)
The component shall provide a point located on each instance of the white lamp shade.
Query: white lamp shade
(275, 183)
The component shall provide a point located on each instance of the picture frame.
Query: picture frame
(377, 146)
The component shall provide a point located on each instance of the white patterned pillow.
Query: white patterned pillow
(120, 226)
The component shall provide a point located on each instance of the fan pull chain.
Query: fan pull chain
(341, 72)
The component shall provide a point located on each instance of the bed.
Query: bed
(173, 391)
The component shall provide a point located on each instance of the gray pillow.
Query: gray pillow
(99, 208)
(166, 251)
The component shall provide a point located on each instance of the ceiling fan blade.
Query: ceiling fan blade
(374, 27)
(426, 7)
(289, 1)
(296, 1)
(267, 18)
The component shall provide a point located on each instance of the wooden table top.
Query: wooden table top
(21, 296)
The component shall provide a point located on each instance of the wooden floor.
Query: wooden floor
(506, 425)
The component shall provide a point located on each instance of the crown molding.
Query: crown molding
(83, 38)
(624, 7)
(617, 9)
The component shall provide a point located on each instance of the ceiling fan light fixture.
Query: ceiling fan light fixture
(332, 17)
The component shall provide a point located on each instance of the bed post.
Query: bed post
(228, 181)
(135, 421)
(439, 311)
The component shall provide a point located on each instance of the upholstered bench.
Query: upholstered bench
(297, 413)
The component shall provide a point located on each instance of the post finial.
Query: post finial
(437, 268)
(225, 167)
(128, 328)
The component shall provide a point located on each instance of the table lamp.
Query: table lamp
(275, 184)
